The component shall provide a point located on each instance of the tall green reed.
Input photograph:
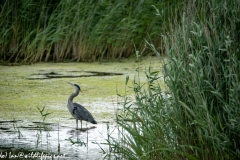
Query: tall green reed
(34, 31)
(202, 74)
(197, 117)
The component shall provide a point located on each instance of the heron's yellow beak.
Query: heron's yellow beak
(70, 83)
(74, 85)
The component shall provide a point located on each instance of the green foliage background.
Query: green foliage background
(198, 116)
(82, 30)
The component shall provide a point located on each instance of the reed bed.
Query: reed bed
(198, 116)
(86, 30)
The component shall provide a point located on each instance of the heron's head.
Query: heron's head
(76, 86)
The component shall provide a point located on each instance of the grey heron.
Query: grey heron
(77, 110)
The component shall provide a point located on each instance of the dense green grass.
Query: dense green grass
(86, 30)
(198, 116)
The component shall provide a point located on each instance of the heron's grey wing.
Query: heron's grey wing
(82, 113)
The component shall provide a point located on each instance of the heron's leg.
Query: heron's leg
(76, 124)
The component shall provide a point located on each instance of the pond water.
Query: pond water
(28, 89)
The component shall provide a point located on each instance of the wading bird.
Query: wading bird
(77, 110)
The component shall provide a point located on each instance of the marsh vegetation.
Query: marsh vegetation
(197, 114)
(88, 30)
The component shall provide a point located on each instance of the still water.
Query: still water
(30, 92)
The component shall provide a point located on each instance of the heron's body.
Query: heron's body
(77, 110)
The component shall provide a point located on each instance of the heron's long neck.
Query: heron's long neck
(70, 99)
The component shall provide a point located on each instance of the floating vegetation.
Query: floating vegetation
(50, 75)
